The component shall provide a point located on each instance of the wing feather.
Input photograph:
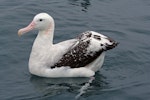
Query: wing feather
(89, 46)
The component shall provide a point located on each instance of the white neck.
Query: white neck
(45, 37)
(42, 44)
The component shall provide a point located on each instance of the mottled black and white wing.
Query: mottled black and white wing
(89, 46)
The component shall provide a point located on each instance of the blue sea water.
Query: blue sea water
(126, 70)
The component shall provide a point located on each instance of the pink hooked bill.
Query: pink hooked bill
(30, 27)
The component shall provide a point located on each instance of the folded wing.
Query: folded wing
(89, 46)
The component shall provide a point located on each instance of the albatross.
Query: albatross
(78, 57)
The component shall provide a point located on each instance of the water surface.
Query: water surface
(124, 75)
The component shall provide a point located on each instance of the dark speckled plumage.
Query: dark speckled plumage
(79, 56)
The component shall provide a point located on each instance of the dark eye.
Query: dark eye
(40, 20)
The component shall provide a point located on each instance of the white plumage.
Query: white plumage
(79, 57)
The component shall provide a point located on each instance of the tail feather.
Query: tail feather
(111, 45)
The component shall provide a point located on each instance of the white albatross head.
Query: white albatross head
(42, 22)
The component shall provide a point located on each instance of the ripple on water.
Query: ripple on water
(125, 73)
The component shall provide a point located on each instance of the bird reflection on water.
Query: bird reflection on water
(79, 87)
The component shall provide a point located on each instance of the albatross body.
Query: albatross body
(78, 57)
